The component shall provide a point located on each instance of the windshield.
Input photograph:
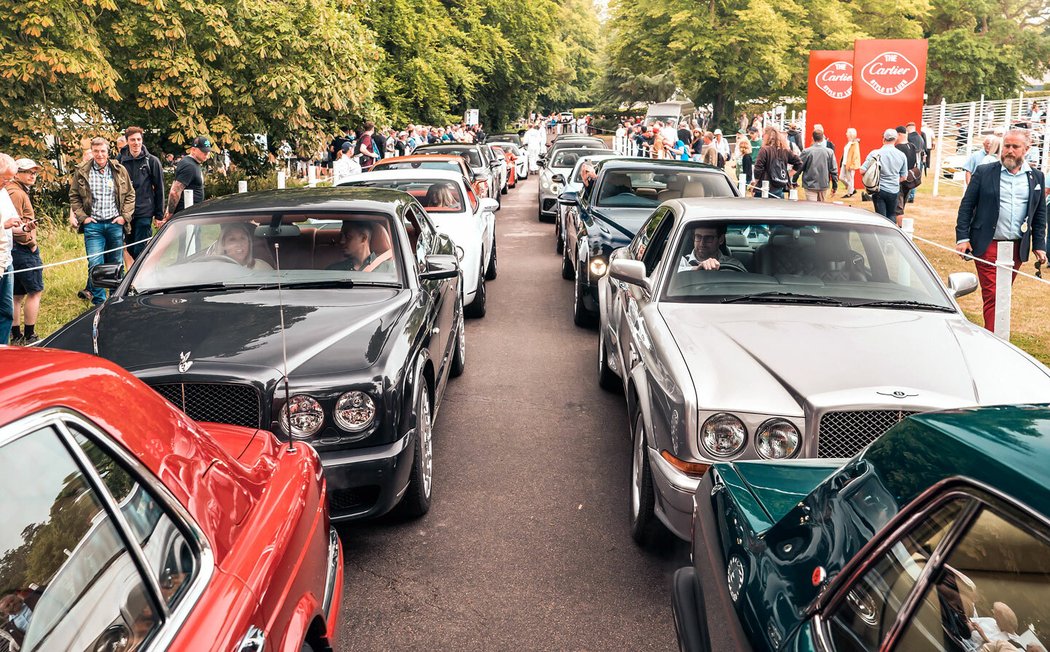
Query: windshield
(818, 263)
(222, 251)
(436, 195)
(567, 158)
(418, 165)
(645, 187)
(471, 154)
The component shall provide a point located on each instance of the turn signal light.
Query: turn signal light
(690, 468)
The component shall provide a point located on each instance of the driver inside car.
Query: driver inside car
(237, 243)
(707, 252)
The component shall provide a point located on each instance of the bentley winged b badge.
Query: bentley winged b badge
(897, 394)
(184, 362)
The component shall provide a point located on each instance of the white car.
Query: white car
(521, 162)
(574, 184)
(457, 212)
(500, 173)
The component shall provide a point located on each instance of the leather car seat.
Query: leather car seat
(790, 251)
(616, 183)
(694, 189)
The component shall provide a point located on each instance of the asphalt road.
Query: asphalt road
(526, 546)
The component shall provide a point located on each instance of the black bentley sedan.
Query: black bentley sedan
(606, 214)
(330, 315)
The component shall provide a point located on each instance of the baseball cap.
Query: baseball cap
(346, 146)
(203, 143)
(889, 134)
(26, 164)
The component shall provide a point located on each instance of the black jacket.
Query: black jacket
(979, 211)
(147, 178)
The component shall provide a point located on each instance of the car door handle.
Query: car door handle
(254, 640)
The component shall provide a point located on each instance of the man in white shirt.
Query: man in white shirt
(9, 219)
(707, 252)
(722, 145)
(345, 166)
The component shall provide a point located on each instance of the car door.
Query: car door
(439, 296)
(628, 301)
(485, 222)
(577, 219)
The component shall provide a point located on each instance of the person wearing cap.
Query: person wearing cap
(345, 166)
(103, 201)
(147, 178)
(893, 168)
(189, 175)
(721, 145)
(25, 255)
(9, 220)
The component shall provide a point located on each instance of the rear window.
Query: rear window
(472, 156)
(640, 188)
(435, 195)
(419, 165)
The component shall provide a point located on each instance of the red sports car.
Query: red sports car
(125, 525)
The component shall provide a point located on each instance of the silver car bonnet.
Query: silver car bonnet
(781, 359)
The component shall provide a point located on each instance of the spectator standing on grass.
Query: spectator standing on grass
(893, 168)
(103, 201)
(747, 160)
(345, 166)
(709, 152)
(9, 219)
(722, 146)
(189, 175)
(850, 161)
(818, 169)
(772, 162)
(365, 147)
(147, 178)
(989, 153)
(25, 255)
(914, 173)
(1003, 203)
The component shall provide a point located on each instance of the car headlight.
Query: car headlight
(545, 185)
(354, 411)
(307, 417)
(777, 439)
(599, 266)
(723, 435)
(556, 189)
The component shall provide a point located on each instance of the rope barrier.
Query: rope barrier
(978, 259)
(73, 260)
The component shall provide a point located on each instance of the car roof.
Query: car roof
(305, 200)
(1002, 447)
(772, 210)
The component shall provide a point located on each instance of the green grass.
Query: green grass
(60, 302)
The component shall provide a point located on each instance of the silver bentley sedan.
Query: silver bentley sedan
(755, 329)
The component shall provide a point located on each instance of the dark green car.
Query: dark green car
(936, 537)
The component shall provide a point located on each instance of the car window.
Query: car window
(642, 247)
(854, 264)
(68, 581)
(418, 165)
(168, 552)
(625, 188)
(435, 195)
(864, 619)
(422, 225)
(991, 594)
(240, 250)
(654, 251)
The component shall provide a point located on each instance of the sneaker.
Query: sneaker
(84, 294)
(29, 341)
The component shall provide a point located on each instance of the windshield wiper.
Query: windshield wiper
(175, 289)
(902, 303)
(330, 283)
(785, 297)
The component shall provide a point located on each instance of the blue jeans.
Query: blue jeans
(7, 304)
(99, 237)
(886, 204)
(141, 229)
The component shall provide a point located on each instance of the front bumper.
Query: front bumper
(548, 205)
(368, 481)
(674, 495)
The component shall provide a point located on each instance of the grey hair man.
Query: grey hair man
(9, 219)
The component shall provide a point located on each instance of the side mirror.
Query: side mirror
(558, 178)
(567, 198)
(631, 272)
(107, 276)
(440, 266)
(542, 162)
(494, 163)
(962, 283)
(489, 205)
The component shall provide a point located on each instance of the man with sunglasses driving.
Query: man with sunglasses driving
(707, 253)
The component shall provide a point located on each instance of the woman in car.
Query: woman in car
(237, 242)
(442, 195)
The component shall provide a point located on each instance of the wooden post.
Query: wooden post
(1004, 272)
(242, 186)
(281, 183)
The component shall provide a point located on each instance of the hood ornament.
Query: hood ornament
(897, 393)
(184, 362)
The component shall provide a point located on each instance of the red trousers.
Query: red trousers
(986, 275)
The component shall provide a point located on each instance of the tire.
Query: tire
(503, 190)
(580, 315)
(476, 309)
(492, 272)
(459, 356)
(568, 272)
(416, 501)
(559, 242)
(499, 201)
(646, 528)
(607, 380)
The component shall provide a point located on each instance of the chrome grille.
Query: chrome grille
(844, 434)
(218, 402)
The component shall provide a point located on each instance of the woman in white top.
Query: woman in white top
(345, 166)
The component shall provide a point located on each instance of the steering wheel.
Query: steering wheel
(211, 258)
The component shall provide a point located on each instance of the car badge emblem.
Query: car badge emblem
(184, 362)
(897, 394)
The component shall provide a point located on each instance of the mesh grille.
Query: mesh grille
(221, 403)
(844, 434)
(356, 499)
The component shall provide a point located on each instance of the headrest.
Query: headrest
(617, 179)
(694, 189)
(736, 239)
(381, 242)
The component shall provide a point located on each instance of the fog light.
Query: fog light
(598, 267)
(777, 439)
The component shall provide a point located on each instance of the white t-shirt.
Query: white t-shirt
(7, 211)
(343, 168)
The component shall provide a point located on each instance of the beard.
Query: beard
(1011, 162)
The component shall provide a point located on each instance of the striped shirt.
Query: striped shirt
(103, 193)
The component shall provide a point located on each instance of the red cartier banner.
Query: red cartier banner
(889, 80)
(829, 95)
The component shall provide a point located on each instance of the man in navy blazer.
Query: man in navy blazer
(1004, 202)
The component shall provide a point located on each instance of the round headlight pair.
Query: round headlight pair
(303, 416)
(724, 435)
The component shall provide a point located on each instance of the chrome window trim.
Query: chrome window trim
(333, 567)
(58, 417)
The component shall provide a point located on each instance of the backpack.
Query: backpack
(778, 170)
(873, 174)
